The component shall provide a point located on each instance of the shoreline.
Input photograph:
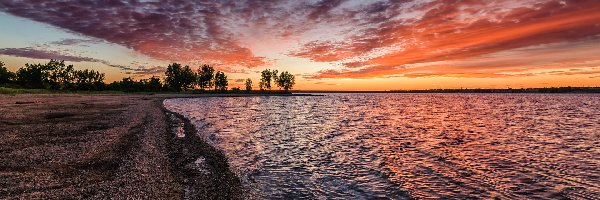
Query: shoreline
(194, 161)
(106, 146)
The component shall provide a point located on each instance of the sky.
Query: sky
(326, 44)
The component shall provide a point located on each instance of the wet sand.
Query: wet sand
(69, 146)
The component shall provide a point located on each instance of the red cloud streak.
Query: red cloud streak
(446, 33)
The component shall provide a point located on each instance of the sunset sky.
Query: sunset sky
(327, 44)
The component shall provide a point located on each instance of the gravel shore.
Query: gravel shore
(69, 146)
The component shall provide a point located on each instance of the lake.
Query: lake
(402, 146)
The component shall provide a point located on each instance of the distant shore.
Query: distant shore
(107, 146)
(473, 90)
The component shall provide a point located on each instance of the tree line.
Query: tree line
(56, 75)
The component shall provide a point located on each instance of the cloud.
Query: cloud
(173, 30)
(144, 71)
(323, 83)
(570, 57)
(367, 39)
(29, 52)
(184, 31)
(444, 31)
(71, 42)
(322, 8)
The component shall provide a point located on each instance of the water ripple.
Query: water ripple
(397, 146)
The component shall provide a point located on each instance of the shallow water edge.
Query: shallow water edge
(202, 169)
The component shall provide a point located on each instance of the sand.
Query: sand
(69, 146)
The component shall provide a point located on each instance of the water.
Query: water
(398, 146)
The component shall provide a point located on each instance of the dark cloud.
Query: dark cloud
(323, 8)
(71, 42)
(179, 30)
(174, 30)
(144, 71)
(29, 52)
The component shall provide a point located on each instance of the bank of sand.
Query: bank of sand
(69, 146)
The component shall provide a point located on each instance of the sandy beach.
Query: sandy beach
(70, 146)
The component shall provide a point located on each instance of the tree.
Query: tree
(31, 76)
(286, 81)
(154, 84)
(220, 81)
(274, 76)
(179, 78)
(265, 79)
(171, 76)
(58, 76)
(128, 84)
(248, 84)
(205, 76)
(5, 75)
(125, 85)
(88, 80)
(188, 78)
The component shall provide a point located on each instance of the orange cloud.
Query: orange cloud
(445, 33)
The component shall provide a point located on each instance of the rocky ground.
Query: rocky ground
(69, 146)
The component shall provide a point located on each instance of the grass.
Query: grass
(15, 91)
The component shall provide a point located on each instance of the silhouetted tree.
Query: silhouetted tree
(179, 78)
(220, 81)
(154, 84)
(265, 79)
(58, 76)
(274, 76)
(5, 75)
(172, 76)
(188, 78)
(205, 76)
(236, 89)
(88, 80)
(128, 84)
(286, 81)
(248, 84)
(31, 76)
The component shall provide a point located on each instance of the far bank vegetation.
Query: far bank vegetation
(57, 76)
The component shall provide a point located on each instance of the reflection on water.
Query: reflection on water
(407, 145)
